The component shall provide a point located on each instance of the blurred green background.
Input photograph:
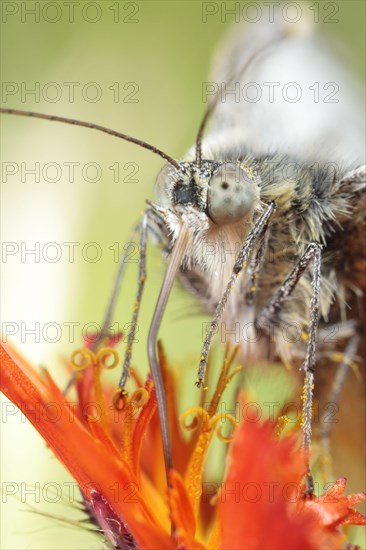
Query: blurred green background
(156, 54)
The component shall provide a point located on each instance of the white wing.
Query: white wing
(325, 123)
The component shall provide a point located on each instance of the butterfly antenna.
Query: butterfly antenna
(93, 126)
(211, 107)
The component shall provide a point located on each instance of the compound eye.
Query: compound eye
(231, 195)
(163, 186)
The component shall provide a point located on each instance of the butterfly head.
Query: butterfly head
(227, 192)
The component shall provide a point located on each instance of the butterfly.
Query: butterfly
(263, 219)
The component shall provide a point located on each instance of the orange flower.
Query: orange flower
(116, 458)
(269, 510)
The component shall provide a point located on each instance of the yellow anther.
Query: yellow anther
(219, 432)
(82, 359)
(120, 399)
(200, 419)
(139, 398)
(105, 355)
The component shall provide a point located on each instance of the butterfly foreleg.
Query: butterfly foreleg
(146, 226)
(269, 314)
(242, 261)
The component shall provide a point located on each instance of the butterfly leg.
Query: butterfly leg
(241, 262)
(149, 225)
(269, 313)
(254, 268)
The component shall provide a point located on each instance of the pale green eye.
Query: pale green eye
(231, 195)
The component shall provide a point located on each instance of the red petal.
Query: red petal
(182, 513)
(143, 422)
(333, 508)
(92, 464)
(255, 505)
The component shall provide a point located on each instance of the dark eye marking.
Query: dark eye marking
(225, 185)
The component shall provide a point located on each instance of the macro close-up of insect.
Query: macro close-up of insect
(249, 257)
